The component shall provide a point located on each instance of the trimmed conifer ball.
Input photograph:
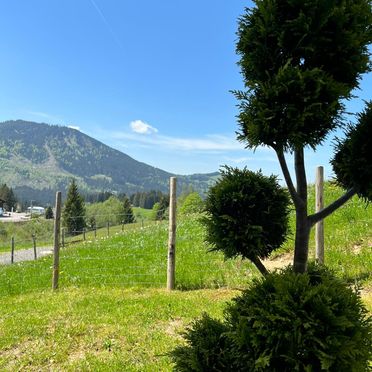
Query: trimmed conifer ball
(247, 214)
(353, 159)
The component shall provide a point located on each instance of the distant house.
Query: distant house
(36, 210)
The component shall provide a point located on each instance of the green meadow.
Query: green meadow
(112, 311)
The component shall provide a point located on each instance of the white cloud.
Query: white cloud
(74, 127)
(45, 115)
(239, 160)
(139, 126)
(208, 143)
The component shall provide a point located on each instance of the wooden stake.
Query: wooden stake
(108, 228)
(172, 235)
(12, 251)
(57, 231)
(319, 205)
(34, 243)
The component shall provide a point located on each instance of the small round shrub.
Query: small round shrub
(353, 158)
(301, 322)
(247, 214)
(284, 322)
(207, 348)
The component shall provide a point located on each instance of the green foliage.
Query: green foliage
(193, 203)
(7, 194)
(247, 214)
(128, 216)
(49, 213)
(288, 51)
(111, 210)
(160, 209)
(147, 199)
(285, 322)
(74, 211)
(353, 158)
(207, 349)
(307, 322)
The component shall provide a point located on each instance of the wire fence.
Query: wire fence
(117, 254)
(114, 252)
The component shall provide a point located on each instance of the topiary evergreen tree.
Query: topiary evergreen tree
(299, 61)
(247, 215)
(74, 210)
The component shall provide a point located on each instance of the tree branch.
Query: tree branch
(316, 217)
(292, 190)
(260, 266)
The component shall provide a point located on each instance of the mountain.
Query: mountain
(36, 159)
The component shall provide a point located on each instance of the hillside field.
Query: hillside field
(112, 313)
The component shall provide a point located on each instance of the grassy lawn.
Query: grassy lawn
(112, 312)
(99, 329)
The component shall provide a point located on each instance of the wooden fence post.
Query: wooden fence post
(34, 244)
(319, 205)
(57, 231)
(84, 233)
(12, 251)
(95, 231)
(108, 228)
(172, 235)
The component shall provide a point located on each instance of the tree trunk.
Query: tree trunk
(303, 225)
(260, 266)
(302, 241)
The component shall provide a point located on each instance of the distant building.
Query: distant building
(36, 210)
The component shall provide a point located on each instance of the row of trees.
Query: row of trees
(118, 210)
(77, 216)
(147, 199)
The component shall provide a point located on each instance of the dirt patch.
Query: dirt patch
(279, 262)
(174, 327)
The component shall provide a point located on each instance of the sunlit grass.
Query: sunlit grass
(112, 312)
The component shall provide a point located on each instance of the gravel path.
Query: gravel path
(25, 255)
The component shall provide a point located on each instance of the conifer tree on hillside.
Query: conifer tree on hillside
(49, 213)
(7, 194)
(74, 210)
(128, 211)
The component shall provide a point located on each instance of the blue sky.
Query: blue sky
(150, 78)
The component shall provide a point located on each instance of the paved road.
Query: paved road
(25, 255)
(14, 217)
